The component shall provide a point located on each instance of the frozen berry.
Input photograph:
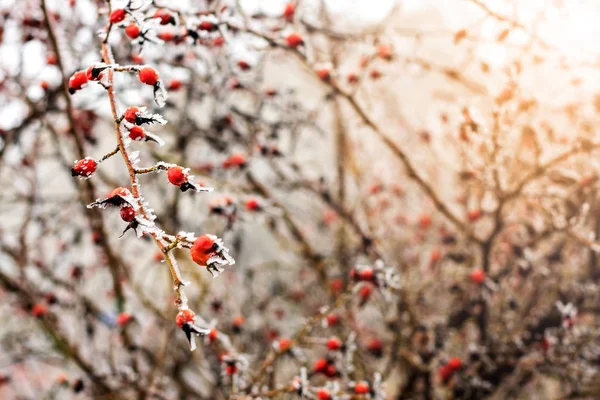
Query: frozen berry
(148, 75)
(176, 175)
(133, 30)
(85, 167)
(117, 16)
(184, 316)
(137, 133)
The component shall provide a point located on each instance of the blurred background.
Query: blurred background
(417, 180)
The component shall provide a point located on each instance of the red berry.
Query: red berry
(284, 344)
(294, 40)
(366, 274)
(116, 16)
(174, 84)
(375, 74)
(184, 316)
(202, 249)
(289, 11)
(164, 15)
(454, 363)
(130, 114)
(474, 215)
(244, 66)
(424, 220)
(323, 394)
(133, 30)
(230, 369)
(206, 26)
(176, 175)
(127, 213)
(445, 372)
(478, 276)
(331, 371)
(51, 59)
(85, 167)
(77, 81)
(252, 204)
(352, 77)
(120, 191)
(385, 51)
(89, 74)
(166, 36)
(324, 73)
(44, 85)
(332, 319)
(213, 334)
(334, 344)
(320, 365)
(148, 75)
(361, 388)
(39, 310)
(124, 318)
(336, 285)
(237, 160)
(365, 292)
(436, 255)
(238, 321)
(375, 347)
(137, 133)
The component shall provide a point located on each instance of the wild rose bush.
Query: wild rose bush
(312, 199)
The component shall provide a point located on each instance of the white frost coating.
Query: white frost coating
(160, 94)
(156, 138)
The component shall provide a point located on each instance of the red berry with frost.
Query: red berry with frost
(39, 310)
(294, 40)
(77, 81)
(185, 316)
(137, 133)
(93, 74)
(124, 318)
(120, 191)
(117, 16)
(130, 114)
(85, 167)
(361, 388)
(133, 30)
(478, 276)
(334, 344)
(202, 249)
(176, 175)
(127, 213)
(148, 75)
